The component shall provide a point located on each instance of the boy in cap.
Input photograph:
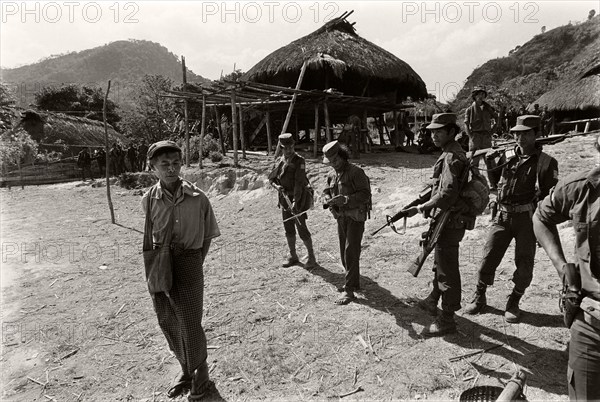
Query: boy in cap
(447, 173)
(527, 176)
(478, 126)
(575, 198)
(289, 178)
(180, 208)
(348, 197)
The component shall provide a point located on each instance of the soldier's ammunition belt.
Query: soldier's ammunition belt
(515, 209)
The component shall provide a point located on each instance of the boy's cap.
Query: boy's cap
(161, 145)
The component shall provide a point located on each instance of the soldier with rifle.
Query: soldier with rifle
(348, 197)
(577, 198)
(526, 177)
(450, 218)
(295, 199)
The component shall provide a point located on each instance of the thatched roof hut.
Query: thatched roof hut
(50, 128)
(338, 58)
(580, 96)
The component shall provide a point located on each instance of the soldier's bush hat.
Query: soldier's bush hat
(330, 150)
(527, 122)
(162, 145)
(286, 140)
(477, 90)
(442, 120)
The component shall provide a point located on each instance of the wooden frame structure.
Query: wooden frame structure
(242, 96)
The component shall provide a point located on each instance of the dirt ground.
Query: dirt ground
(78, 323)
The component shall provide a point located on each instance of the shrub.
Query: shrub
(209, 146)
(216, 156)
(131, 181)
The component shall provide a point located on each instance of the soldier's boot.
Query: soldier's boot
(478, 301)
(430, 303)
(311, 262)
(293, 258)
(512, 312)
(443, 325)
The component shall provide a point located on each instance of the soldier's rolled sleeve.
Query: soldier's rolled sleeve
(554, 209)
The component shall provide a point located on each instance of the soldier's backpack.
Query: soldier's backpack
(475, 193)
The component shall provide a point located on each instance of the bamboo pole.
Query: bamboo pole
(219, 131)
(185, 117)
(269, 139)
(202, 131)
(292, 104)
(110, 204)
(234, 128)
(317, 130)
(242, 133)
(396, 129)
(327, 124)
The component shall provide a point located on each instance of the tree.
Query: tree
(16, 148)
(152, 114)
(81, 101)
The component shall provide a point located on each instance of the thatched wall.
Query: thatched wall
(338, 58)
(48, 128)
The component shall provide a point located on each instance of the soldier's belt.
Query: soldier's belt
(515, 209)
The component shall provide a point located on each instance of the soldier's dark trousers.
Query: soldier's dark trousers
(583, 373)
(507, 226)
(291, 225)
(350, 234)
(446, 269)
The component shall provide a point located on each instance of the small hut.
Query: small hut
(574, 100)
(337, 61)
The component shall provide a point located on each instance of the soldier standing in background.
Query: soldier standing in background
(478, 125)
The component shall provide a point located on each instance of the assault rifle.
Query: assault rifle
(549, 140)
(390, 220)
(289, 204)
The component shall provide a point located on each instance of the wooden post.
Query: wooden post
(234, 128)
(110, 204)
(269, 139)
(185, 117)
(297, 134)
(327, 125)
(366, 137)
(317, 130)
(396, 129)
(202, 131)
(242, 133)
(292, 103)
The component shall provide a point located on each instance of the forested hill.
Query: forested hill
(123, 62)
(537, 66)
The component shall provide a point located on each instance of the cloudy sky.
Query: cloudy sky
(442, 41)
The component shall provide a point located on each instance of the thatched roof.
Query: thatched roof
(349, 62)
(50, 127)
(582, 93)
